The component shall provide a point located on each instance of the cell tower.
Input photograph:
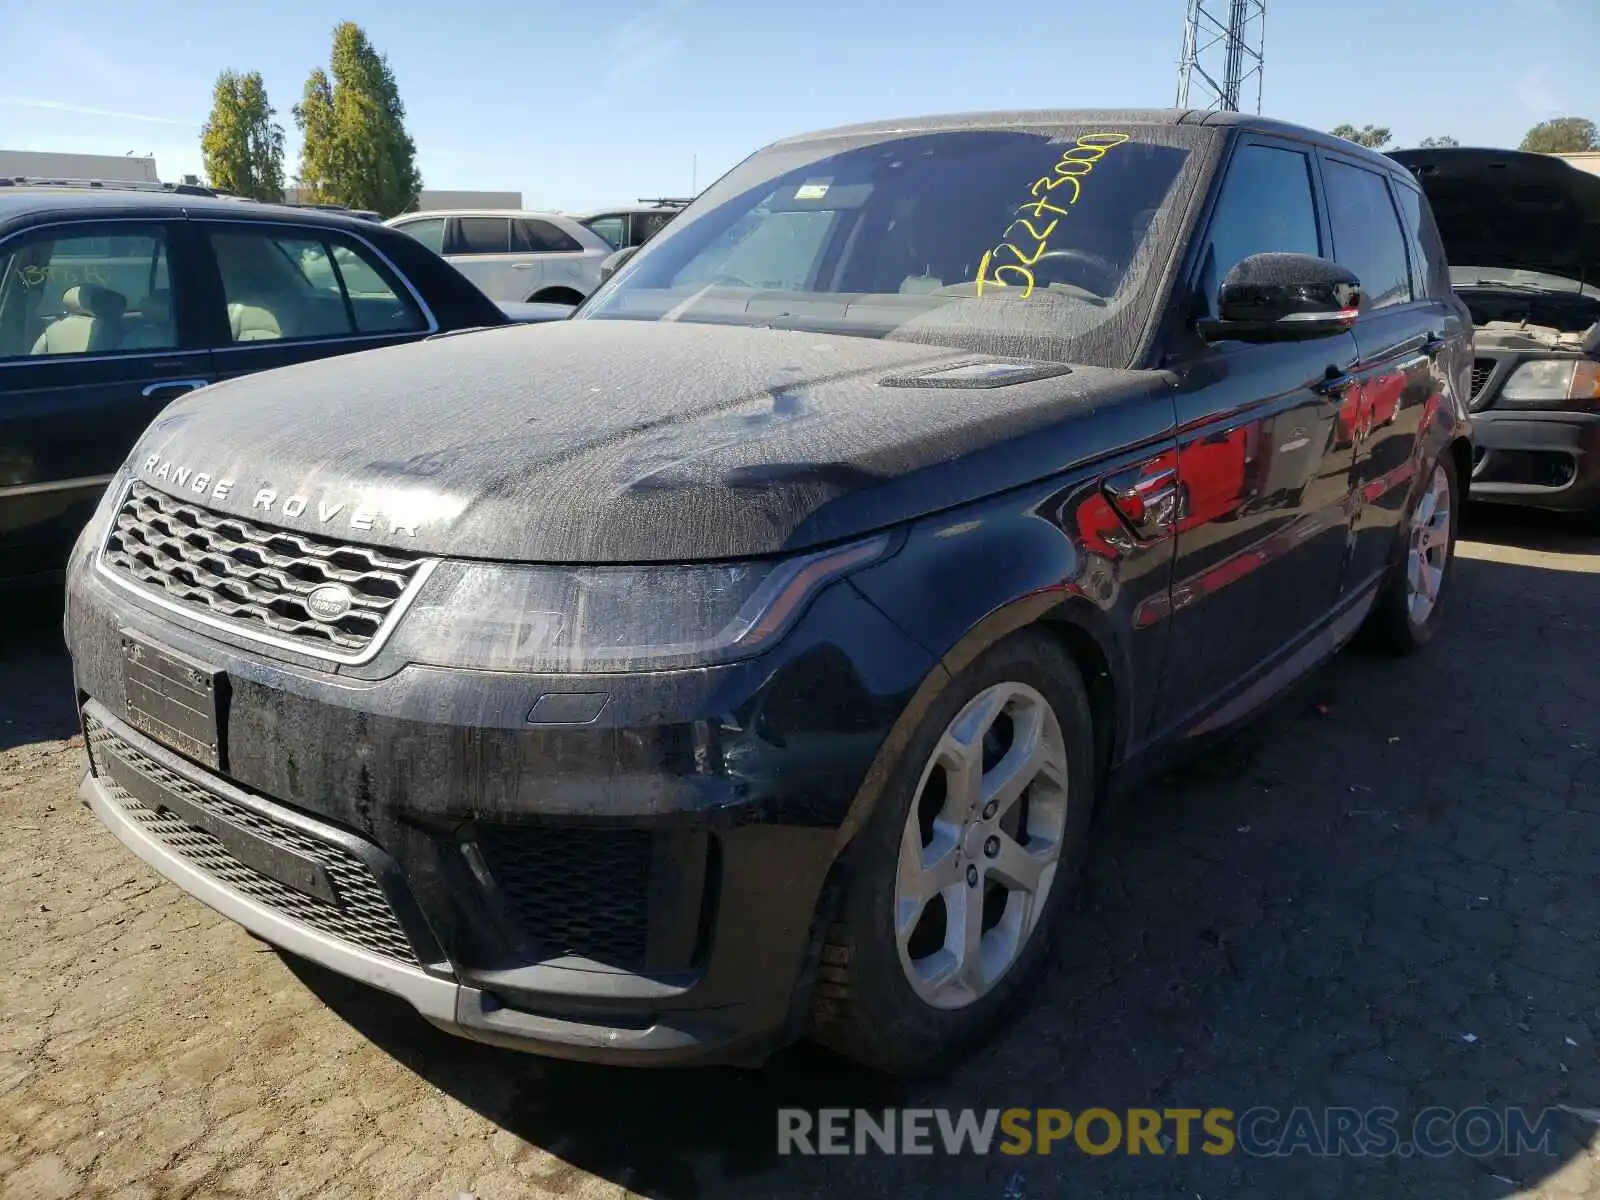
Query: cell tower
(1222, 55)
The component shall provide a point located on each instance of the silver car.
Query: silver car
(514, 256)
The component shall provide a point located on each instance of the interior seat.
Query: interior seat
(153, 328)
(253, 323)
(92, 324)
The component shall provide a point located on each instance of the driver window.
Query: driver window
(1266, 205)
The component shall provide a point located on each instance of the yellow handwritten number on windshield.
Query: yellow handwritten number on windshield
(1075, 166)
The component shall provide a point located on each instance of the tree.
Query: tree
(356, 150)
(1375, 136)
(1563, 135)
(1442, 142)
(241, 144)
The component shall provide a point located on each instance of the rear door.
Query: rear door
(97, 335)
(564, 262)
(1265, 474)
(1401, 334)
(278, 293)
(481, 249)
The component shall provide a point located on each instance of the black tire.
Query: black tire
(863, 1005)
(1390, 628)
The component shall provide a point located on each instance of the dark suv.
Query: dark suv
(749, 654)
(116, 300)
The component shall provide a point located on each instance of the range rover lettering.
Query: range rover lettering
(749, 656)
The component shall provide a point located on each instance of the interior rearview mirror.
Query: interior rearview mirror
(1283, 297)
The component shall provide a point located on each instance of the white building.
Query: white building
(43, 164)
(433, 199)
(1588, 160)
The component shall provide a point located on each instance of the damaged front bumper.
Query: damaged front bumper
(641, 881)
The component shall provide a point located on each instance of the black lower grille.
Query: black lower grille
(574, 891)
(1482, 368)
(362, 914)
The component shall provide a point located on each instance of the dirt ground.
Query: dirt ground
(1384, 894)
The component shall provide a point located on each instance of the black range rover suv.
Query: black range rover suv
(749, 655)
(116, 299)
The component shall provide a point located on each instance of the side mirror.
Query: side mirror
(609, 265)
(1283, 298)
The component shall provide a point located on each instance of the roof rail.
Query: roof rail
(667, 201)
(110, 185)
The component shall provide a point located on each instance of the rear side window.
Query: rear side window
(295, 285)
(647, 225)
(481, 235)
(541, 237)
(99, 292)
(1266, 206)
(1432, 275)
(1366, 233)
(429, 232)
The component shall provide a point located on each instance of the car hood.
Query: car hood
(1505, 208)
(622, 441)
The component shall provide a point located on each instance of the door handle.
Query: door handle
(1434, 345)
(1336, 384)
(524, 266)
(171, 389)
(1148, 498)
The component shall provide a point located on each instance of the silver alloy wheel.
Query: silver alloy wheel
(980, 846)
(1430, 547)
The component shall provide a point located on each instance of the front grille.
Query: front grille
(364, 916)
(254, 575)
(1482, 368)
(574, 891)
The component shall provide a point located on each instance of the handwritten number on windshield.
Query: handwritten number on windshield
(1075, 166)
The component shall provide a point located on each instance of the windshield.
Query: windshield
(1031, 242)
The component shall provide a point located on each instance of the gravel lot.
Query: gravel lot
(1320, 913)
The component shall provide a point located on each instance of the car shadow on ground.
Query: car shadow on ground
(37, 678)
(1379, 895)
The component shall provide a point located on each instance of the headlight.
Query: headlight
(1548, 379)
(497, 617)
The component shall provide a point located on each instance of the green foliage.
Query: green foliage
(1374, 136)
(356, 150)
(1563, 135)
(241, 144)
(1442, 142)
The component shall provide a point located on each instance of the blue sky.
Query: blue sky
(581, 104)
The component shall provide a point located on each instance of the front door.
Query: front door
(1402, 329)
(1265, 472)
(481, 248)
(95, 339)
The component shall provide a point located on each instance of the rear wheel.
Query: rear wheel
(1406, 614)
(962, 870)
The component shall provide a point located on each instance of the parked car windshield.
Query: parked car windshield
(1040, 242)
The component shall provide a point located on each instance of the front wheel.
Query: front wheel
(961, 872)
(1407, 611)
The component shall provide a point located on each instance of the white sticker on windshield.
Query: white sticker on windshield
(816, 189)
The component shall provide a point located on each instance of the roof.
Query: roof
(1049, 118)
(44, 199)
